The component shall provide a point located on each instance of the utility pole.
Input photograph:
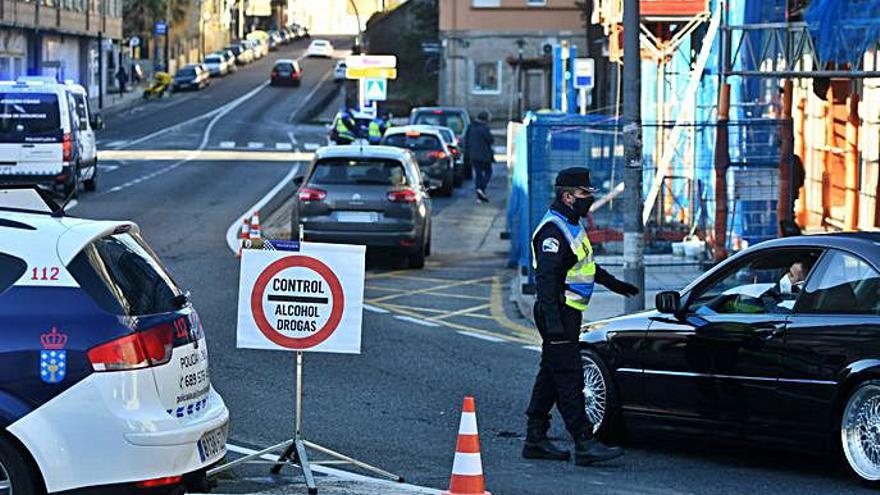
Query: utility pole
(633, 230)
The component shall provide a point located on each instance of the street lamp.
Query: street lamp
(206, 16)
(357, 16)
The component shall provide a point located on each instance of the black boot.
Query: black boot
(538, 446)
(588, 450)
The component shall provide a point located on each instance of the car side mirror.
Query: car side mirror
(96, 121)
(668, 302)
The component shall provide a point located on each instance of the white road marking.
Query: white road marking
(223, 110)
(195, 153)
(393, 486)
(232, 231)
(253, 145)
(374, 309)
(481, 336)
(309, 96)
(292, 137)
(227, 144)
(117, 144)
(284, 146)
(416, 321)
(532, 348)
(311, 146)
(108, 168)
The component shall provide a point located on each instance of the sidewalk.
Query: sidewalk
(115, 102)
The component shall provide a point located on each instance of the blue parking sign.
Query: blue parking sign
(160, 28)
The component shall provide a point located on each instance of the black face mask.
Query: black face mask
(581, 206)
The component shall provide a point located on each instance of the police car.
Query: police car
(104, 383)
(40, 138)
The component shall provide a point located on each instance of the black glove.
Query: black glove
(623, 288)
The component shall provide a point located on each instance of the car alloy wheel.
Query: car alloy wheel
(5, 481)
(595, 391)
(860, 431)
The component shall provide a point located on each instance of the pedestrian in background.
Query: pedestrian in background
(565, 274)
(480, 154)
(121, 78)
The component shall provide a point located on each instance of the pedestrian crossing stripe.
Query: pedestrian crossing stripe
(283, 146)
(255, 145)
(227, 144)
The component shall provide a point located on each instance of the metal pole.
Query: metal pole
(299, 381)
(100, 69)
(633, 230)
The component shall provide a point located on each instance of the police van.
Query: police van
(87, 123)
(104, 378)
(40, 139)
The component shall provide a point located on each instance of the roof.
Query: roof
(424, 129)
(445, 109)
(285, 61)
(356, 151)
(865, 243)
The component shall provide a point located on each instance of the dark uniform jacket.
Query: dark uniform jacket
(554, 259)
(478, 143)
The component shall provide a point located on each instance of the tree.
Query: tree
(139, 15)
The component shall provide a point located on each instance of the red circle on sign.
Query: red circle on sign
(325, 331)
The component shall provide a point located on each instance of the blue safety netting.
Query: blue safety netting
(843, 29)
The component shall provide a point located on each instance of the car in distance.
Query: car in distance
(112, 392)
(433, 156)
(454, 118)
(286, 71)
(339, 71)
(369, 195)
(454, 146)
(320, 48)
(779, 344)
(216, 65)
(191, 76)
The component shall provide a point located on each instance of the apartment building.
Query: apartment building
(483, 39)
(59, 38)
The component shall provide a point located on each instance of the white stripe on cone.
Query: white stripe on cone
(468, 425)
(467, 465)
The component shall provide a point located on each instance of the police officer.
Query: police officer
(565, 275)
(376, 130)
(344, 131)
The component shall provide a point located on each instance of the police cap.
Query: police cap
(575, 177)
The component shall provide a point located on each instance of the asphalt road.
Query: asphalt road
(397, 404)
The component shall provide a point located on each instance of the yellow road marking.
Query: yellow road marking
(412, 308)
(457, 326)
(459, 312)
(431, 289)
(496, 305)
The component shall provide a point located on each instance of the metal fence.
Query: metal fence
(684, 206)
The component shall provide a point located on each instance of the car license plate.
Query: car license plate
(356, 216)
(212, 445)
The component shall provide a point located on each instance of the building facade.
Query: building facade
(60, 38)
(336, 16)
(480, 39)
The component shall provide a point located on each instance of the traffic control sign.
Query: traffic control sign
(306, 301)
(370, 72)
(367, 61)
(584, 73)
(376, 89)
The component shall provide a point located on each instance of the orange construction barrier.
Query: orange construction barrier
(467, 468)
(255, 232)
(243, 235)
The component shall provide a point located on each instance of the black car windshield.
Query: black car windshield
(29, 113)
(213, 60)
(285, 67)
(417, 142)
(186, 72)
(453, 121)
(367, 171)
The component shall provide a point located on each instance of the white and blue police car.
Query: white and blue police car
(104, 383)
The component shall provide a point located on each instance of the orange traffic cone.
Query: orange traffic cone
(467, 469)
(255, 232)
(243, 235)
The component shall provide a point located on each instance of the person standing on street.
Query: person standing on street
(565, 274)
(479, 153)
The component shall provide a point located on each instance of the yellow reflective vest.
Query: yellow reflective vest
(580, 278)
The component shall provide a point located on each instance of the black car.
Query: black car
(192, 76)
(454, 118)
(286, 71)
(368, 195)
(436, 161)
(777, 344)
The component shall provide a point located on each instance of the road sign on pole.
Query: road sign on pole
(376, 89)
(306, 301)
(584, 73)
(370, 72)
(368, 61)
(160, 28)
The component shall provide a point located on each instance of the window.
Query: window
(487, 78)
(440, 118)
(366, 172)
(11, 269)
(843, 284)
(124, 277)
(29, 113)
(765, 282)
(536, 3)
(486, 3)
(82, 111)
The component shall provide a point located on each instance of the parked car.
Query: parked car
(454, 118)
(454, 146)
(779, 344)
(434, 158)
(191, 76)
(243, 54)
(216, 65)
(369, 195)
(113, 364)
(320, 48)
(286, 71)
(339, 71)
(228, 57)
(40, 141)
